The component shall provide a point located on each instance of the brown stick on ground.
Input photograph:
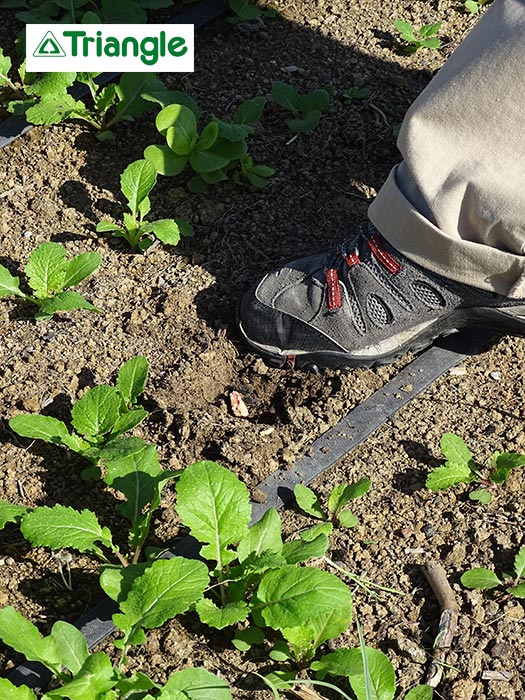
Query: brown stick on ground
(437, 578)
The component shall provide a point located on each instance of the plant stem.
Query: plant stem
(361, 582)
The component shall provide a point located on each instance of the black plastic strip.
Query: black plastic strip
(277, 489)
(200, 15)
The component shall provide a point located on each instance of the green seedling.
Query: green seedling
(426, 37)
(340, 497)
(50, 276)
(219, 150)
(99, 419)
(486, 579)
(82, 675)
(357, 93)
(474, 6)
(306, 109)
(136, 183)
(460, 468)
(248, 11)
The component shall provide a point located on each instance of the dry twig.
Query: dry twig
(437, 578)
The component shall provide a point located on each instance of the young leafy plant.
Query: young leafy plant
(337, 504)
(248, 11)
(486, 579)
(474, 6)
(50, 276)
(84, 11)
(219, 150)
(136, 183)
(357, 93)
(99, 418)
(82, 675)
(426, 37)
(460, 468)
(306, 109)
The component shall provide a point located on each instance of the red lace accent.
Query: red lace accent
(352, 258)
(383, 256)
(333, 291)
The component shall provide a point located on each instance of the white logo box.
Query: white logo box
(123, 48)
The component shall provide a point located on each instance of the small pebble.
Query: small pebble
(495, 375)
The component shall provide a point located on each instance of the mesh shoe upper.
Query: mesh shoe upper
(362, 298)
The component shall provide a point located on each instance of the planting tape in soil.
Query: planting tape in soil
(277, 489)
(202, 14)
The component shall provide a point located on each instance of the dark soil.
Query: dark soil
(177, 308)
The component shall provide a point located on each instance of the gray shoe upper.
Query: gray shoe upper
(362, 298)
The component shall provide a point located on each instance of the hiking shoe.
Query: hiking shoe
(362, 304)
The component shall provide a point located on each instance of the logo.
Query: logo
(49, 46)
(122, 48)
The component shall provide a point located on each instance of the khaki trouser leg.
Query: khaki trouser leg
(456, 204)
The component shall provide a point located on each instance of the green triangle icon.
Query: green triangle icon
(48, 47)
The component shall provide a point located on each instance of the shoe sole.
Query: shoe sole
(509, 321)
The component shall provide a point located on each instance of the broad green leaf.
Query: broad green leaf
(132, 378)
(121, 447)
(5, 67)
(347, 519)
(246, 638)
(8, 691)
(307, 123)
(430, 29)
(213, 616)
(285, 95)
(137, 181)
(245, 9)
(518, 591)
(405, 29)
(301, 641)
(481, 495)
(264, 535)
(131, 686)
(215, 505)
(107, 227)
(105, 97)
(330, 625)
(292, 596)
(172, 97)
(71, 644)
(60, 527)
(50, 85)
(97, 411)
(262, 171)
(235, 133)
(39, 427)
(94, 678)
(313, 532)
(56, 109)
(208, 136)
(249, 111)
(23, 636)
(166, 230)
(317, 99)
(480, 578)
(128, 421)
(505, 463)
(206, 161)
(198, 684)
(178, 124)
(349, 663)
(46, 269)
(455, 449)
(432, 43)
(308, 502)
(64, 301)
(420, 692)
(10, 513)
(80, 267)
(170, 694)
(342, 494)
(132, 87)
(519, 563)
(214, 177)
(9, 285)
(472, 6)
(116, 580)
(449, 475)
(229, 150)
(256, 180)
(164, 160)
(299, 550)
(197, 184)
(166, 589)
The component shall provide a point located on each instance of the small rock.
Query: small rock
(238, 406)
(495, 375)
(500, 650)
